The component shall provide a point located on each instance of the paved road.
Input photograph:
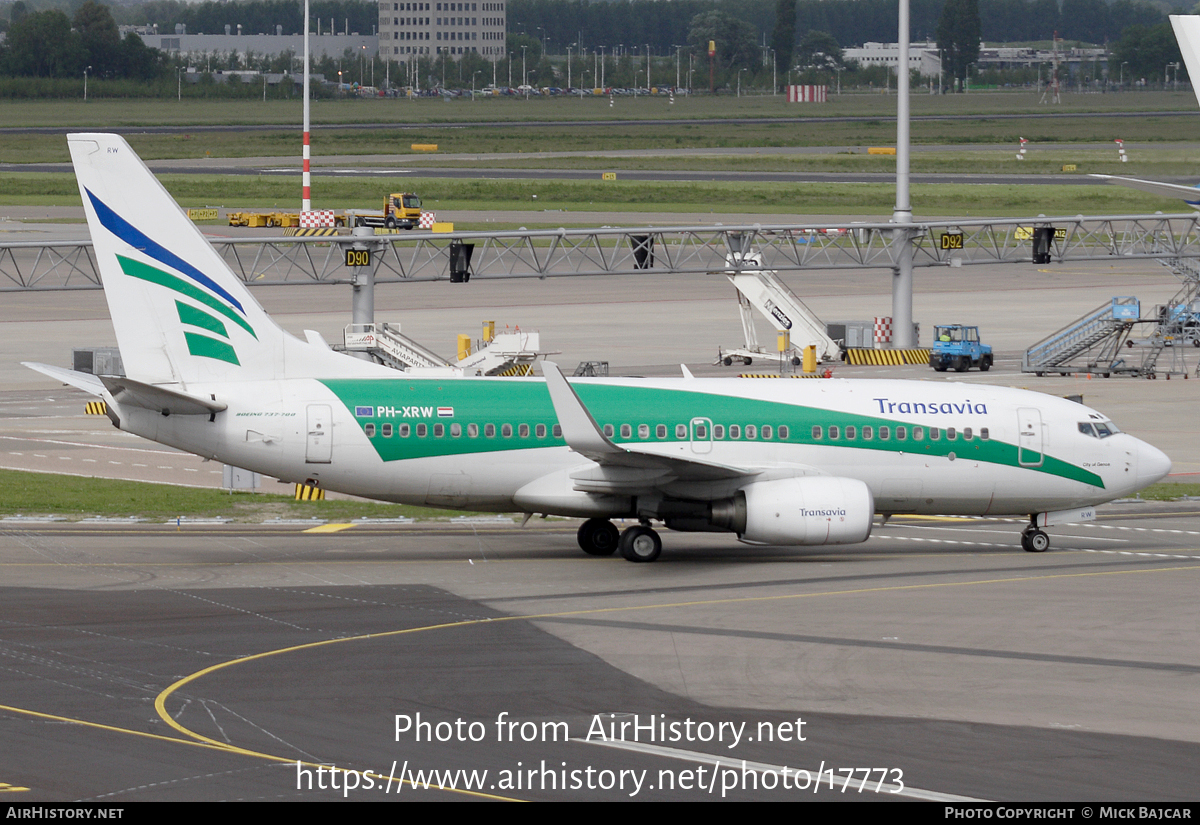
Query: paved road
(937, 654)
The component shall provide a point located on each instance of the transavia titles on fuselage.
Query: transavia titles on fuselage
(774, 462)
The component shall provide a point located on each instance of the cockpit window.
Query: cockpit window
(1099, 429)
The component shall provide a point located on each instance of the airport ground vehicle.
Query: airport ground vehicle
(958, 346)
(401, 210)
(770, 462)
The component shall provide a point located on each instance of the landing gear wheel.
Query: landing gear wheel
(599, 537)
(962, 364)
(1035, 541)
(640, 543)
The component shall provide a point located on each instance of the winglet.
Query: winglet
(580, 430)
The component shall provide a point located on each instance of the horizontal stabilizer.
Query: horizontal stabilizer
(80, 380)
(160, 399)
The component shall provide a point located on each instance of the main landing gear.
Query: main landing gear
(599, 537)
(1034, 540)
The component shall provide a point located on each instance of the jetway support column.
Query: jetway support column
(902, 273)
(362, 281)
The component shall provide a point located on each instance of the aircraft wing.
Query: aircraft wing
(1191, 194)
(584, 436)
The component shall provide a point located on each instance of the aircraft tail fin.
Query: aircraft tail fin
(1187, 32)
(180, 313)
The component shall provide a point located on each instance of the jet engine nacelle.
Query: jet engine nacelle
(809, 510)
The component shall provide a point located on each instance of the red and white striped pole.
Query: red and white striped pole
(306, 194)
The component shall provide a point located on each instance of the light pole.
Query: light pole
(178, 83)
(524, 75)
(739, 86)
(569, 66)
(647, 68)
(510, 57)
(602, 48)
(774, 76)
(85, 73)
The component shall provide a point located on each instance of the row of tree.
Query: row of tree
(50, 44)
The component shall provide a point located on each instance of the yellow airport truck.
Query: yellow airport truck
(401, 210)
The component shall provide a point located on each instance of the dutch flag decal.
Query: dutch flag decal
(445, 412)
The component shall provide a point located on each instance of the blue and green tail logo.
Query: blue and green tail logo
(200, 342)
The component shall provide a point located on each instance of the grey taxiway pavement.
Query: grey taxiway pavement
(204, 662)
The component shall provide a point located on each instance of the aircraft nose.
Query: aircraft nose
(1153, 464)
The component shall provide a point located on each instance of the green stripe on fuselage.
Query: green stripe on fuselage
(514, 401)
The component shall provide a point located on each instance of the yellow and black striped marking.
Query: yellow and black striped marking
(309, 232)
(306, 492)
(777, 375)
(96, 408)
(886, 357)
(517, 370)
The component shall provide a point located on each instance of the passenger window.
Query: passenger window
(885, 433)
(643, 430)
(557, 430)
(422, 430)
(404, 430)
(701, 431)
(951, 434)
(439, 430)
(783, 432)
(523, 430)
(901, 433)
(681, 431)
(473, 430)
(735, 431)
(540, 430)
(918, 433)
(506, 430)
(661, 431)
(766, 431)
(386, 430)
(456, 430)
(934, 434)
(751, 431)
(370, 430)
(489, 430)
(608, 431)
(816, 432)
(626, 431)
(966, 433)
(850, 431)
(833, 432)
(983, 433)
(868, 432)
(718, 431)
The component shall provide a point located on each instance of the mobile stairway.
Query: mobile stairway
(1091, 344)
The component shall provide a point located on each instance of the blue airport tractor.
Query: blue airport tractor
(957, 346)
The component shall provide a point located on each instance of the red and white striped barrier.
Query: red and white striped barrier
(427, 220)
(883, 330)
(315, 218)
(808, 94)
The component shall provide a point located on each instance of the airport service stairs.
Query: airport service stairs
(1090, 344)
(507, 353)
